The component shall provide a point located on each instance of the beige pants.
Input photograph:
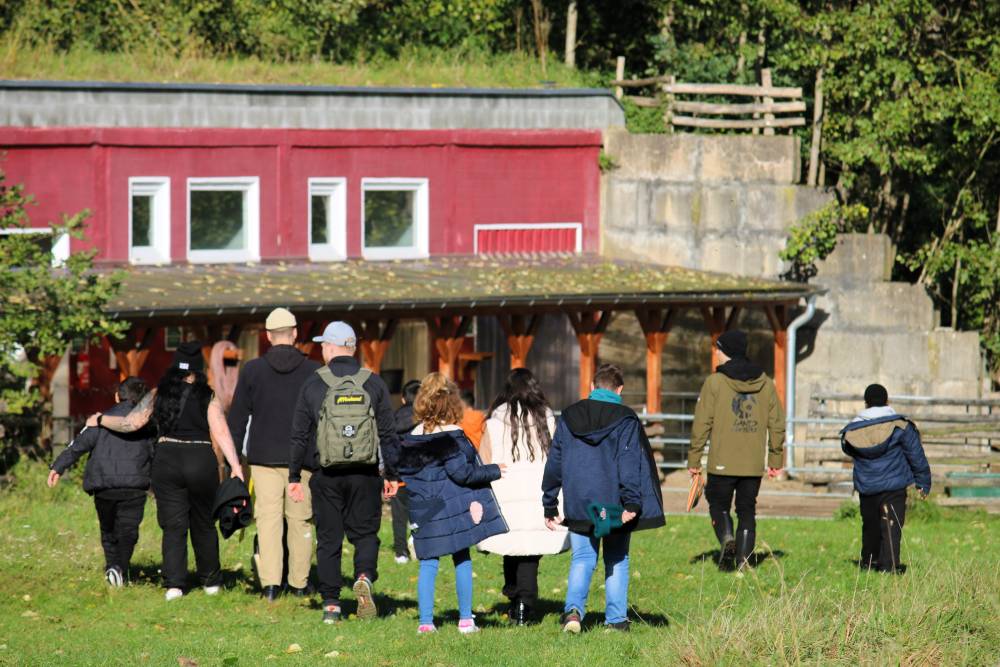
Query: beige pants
(271, 505)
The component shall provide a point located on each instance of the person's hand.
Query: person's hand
(920, 492)
(627, 516)
(694, 472)
(503, 469)
(773, 472)
(53, 478)
(552, 522)
(92, 420)
(389, 489)
(295, 492)
(238, 473)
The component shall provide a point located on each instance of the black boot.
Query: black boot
(723, 525)
(745, 541)
(521, 614)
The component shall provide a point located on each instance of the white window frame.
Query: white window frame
(250, 186)
(517, 226)
(157, 187)
(60, 245)
(421, 232)
(335, 249)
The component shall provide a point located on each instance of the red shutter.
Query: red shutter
(527, 239)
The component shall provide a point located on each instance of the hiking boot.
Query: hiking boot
(271, 593)
(572, 621)
(620, 626)
(366, 601)
(173, 594)
(331, 613)
(304, 592)
(745, 542)
(114, 577)
(467, 626)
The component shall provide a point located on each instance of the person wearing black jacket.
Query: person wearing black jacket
(346, 500)
(117, 475)
(261, 413)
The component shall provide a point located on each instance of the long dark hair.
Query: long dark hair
(167, 407)
(526, 407)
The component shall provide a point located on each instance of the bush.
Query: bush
(643, 120)
(848, 509)
(815, 236)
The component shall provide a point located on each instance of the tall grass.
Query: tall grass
(414, 67)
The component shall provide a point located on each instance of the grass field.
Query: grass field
(805, 603)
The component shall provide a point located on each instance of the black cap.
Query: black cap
(876, 396)
(733, 344)
(188, 357)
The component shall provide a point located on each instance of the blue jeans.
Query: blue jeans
(463, 586)
(582, 566)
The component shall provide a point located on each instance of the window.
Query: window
(223, 219)
(327, 219)
(57, 245)
(149, 220)
(394, 218)
(173, 337)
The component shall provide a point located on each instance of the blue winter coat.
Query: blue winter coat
(600, 454)
(887, 455)
(444, 476)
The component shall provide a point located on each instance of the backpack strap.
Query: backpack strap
(331, 380)
(327, 375)
(362, 376)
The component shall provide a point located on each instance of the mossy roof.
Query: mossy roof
(418, 288)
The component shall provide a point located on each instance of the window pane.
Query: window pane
(142, 211)
(217, 220)
(389, 218)
(320, 219)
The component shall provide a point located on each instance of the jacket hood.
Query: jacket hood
(741, 370)
(593, 421)
(419, 449)
(867, 435)
(744, 386)
(284, 358)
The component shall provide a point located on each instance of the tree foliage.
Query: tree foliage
(815, 236)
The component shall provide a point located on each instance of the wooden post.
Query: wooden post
(571, 15)
(589, 327)
(306, 329)
(520, 331)
(374, 338)
(719, 319)
(777, 316)
(656, 324)
(619, 76)
(668, 110)
(449, 333)
(817, 131)
(131, 351)
(765, 80)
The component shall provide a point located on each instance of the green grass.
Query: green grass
(415, 67)
(806, 604)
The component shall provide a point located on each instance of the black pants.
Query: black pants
(185, 479)
(520, 578)
(882, 516)
(719, 491)
(119, 520)
(345, 504)
(400, 506)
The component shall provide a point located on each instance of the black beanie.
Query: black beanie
(188, 357)
(733, 344)
(876, 396)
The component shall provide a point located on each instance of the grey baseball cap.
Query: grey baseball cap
(338, 333)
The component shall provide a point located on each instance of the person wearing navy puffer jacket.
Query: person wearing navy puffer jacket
(452, 506)
(888, 458)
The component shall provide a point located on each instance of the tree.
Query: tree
(44, 307)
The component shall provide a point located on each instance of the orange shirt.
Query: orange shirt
(473, 423)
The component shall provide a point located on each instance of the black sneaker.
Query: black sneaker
(114, 577)
(331, 613)
(571, 621)
(621, 626)
(304, 592)
(366, 601)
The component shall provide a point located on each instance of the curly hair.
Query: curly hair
(527, 410)
(167, 407)
(437, 403)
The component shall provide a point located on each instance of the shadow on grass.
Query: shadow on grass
(149, 573)
(550, 611)
(715, 555)
(874, 568)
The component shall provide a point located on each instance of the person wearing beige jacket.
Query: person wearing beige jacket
(518, 433)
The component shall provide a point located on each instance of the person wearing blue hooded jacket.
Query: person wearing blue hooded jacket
(452, 506)
(888, 458)
(600, 458)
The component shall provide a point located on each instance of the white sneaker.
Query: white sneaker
(173, 594)
(402, 560)
(467, 626)
(212, 590)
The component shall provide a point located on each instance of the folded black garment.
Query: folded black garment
(233, 509)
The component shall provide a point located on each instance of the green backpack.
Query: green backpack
(346, 433)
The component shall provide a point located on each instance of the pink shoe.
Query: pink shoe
(426, 629)
(467, 626)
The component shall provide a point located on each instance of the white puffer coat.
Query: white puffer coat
(520, 493)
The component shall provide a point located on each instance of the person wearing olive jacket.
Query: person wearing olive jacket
(739, 412)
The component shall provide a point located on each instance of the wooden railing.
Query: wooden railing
(762, 108)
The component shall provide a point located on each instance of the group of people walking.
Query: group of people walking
(325, 447)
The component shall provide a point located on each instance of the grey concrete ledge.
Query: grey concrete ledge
(127, 104)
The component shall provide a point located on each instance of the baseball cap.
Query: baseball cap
(338, 333)
(279, 318)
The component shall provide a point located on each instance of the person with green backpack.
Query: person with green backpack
(343, 431)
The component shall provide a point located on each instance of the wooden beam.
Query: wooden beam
(777, 317)
(732, 124)
(645, 102)
(520, 330)
(708, 88)
(719, 319)
(733, 109)
(305, 344)
(449, 334)
(132, 350)
(656, 324)
(589, 327)
(374, 338)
